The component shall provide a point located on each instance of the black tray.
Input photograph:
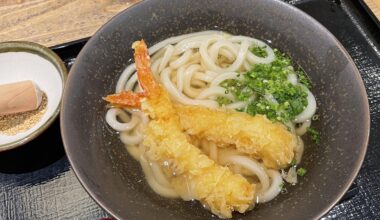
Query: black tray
(37, 182)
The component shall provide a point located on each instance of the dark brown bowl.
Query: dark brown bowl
(116, 181)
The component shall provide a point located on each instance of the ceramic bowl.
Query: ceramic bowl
(20, 61)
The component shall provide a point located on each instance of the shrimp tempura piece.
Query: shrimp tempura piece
(188, 169)
(254, 135)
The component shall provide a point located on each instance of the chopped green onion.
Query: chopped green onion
(301, 171)
(314, 135)
(293, 163)
(315, 117)
(284, 190)
(223, 101)
(267, 89)
(259, 51)
(303, 78)
(282, 185)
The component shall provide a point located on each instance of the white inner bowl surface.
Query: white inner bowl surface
(21, 66)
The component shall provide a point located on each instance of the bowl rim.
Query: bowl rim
(49, 55)
(366, 117)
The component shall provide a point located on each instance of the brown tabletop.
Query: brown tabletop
(52, 22)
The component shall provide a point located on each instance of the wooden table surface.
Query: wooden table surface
(53, 22)
(374, 5)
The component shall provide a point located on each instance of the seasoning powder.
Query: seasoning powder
(15, 123)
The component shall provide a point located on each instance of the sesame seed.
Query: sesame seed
(13, 124)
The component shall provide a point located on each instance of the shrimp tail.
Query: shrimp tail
(129, 99)
(126, 99)
(144, 73)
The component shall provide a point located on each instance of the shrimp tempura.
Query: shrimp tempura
(254, 135)
(188, 169)
(215, 186)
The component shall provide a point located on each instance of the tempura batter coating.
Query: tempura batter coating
(188, 169)
(257, 136)
(215, 186)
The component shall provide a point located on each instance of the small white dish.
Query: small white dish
(20, 61)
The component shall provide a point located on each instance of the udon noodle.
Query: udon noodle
(191, 68)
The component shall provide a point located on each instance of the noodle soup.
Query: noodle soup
(224, 74)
